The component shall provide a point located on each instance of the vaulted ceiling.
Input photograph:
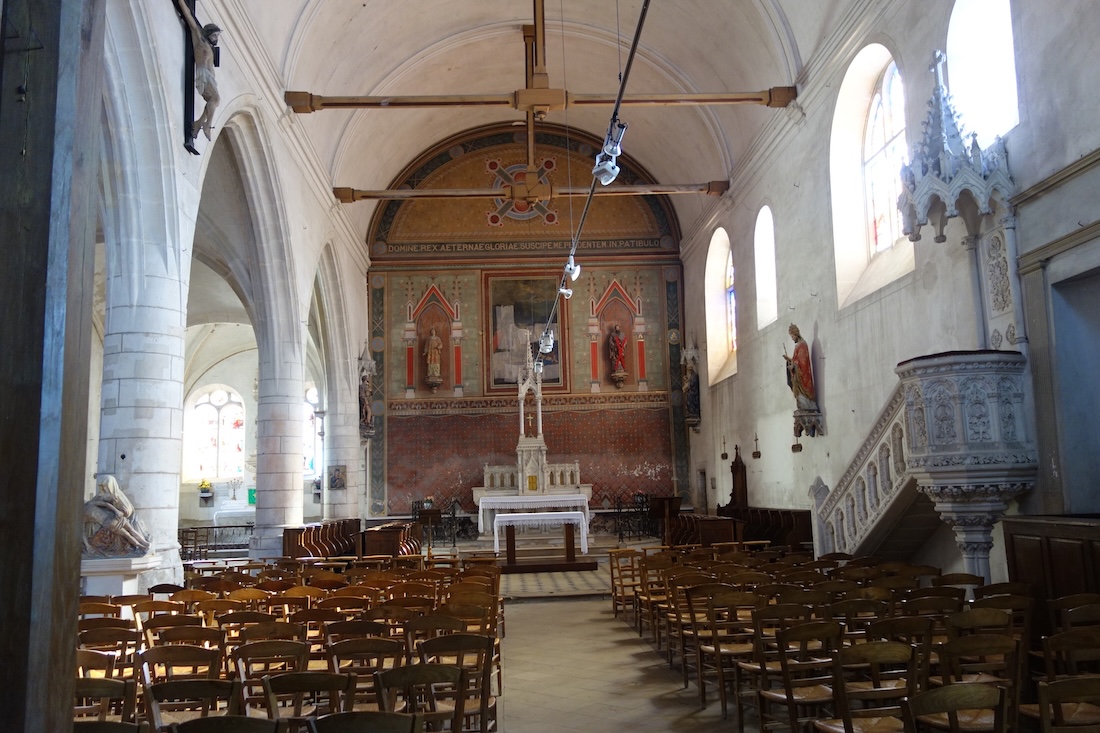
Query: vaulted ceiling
(424, 47)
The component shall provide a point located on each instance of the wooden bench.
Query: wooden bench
(568, 520)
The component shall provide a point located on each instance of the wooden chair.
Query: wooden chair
(436, 624)
(805, 655)
(765, 669)
(104, 622)
(98, 697)
(957, 708)
(179, 662)
(153, 626)
(92, 663)
(722, 627)
(1067, 655)
(271, 630)
(1003, 589)
(626, 577)
(375, 721)
(294, 696)
(433, 692)
(981, 659)
(1070, 705)
(474, 653)
(358, 629)
(916, 631)
(174, 701)
(966, 581)
(122, 644)
(256, 659)
(363, 657)
(869, 682)
(855, 616)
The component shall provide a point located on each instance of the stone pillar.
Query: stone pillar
(278, 458)
(141, 424)
(342, 444)
(971, 441)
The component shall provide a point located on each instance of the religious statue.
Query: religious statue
(203, 41)
(800, 379)
(433, 350)
(689, 383)
(110, 527)
(616, 350)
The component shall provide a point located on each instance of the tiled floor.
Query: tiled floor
(570, 666)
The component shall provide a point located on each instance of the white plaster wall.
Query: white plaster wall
(927, 311)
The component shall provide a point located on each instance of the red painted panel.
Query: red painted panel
(458, 365)
(621, 452)
(595, 361)
(641, 358)
(410, 377)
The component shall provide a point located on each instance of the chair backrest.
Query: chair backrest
(420, 688)
(1052, 716)
(1003, 589)
(90, 662)
(1072, 652)
(946, 702)
(285, 694)
(473, 652)
(871, 679)
(179, 662)
(153, 626)
(375, 721)
(363, 657)
(123, 644)
(254, 660)
(358, 629)
(204, 696)
(95, 696)
(272, 630)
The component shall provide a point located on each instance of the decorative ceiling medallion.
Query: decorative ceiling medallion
(512, 175)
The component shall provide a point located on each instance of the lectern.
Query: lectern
(429, 518)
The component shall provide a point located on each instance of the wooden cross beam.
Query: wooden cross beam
(533, 194)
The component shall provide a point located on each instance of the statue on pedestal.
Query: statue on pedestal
(433, 350)
(800, 378)
(110, 527)
(616, 351)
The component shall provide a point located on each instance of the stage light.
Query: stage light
(605, 171)
(614, 144)
(572, 269)
(567, 292)
(546, 341)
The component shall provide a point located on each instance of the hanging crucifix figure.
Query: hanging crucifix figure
(204, 45)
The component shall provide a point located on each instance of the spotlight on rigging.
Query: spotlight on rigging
(572, 269)
(546, 341)
(567, 292)
(614, 144)
(605, 170)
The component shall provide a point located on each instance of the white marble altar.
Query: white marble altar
(541, 519)
(115, 576)
(487, 509)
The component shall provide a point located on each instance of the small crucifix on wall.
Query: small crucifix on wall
(201, 56)
(530, 421)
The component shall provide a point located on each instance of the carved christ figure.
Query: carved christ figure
(433, 350)
(203, 41)
(616, 350)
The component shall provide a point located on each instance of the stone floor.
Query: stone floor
(570, 665)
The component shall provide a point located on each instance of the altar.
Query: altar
(489, 506)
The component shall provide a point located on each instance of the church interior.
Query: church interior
(829, 269)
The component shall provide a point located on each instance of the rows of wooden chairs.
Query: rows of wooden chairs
(838, 643)
(263, 638)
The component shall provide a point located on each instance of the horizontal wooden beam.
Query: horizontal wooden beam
(536, 100)
(520, 193)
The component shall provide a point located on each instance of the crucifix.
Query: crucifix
(200, 57)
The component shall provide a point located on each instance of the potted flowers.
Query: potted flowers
(205, 489)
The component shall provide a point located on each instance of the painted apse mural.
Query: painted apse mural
(461, 290)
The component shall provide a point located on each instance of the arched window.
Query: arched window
(982, 68)
(883, 156)
(214, 434)
(767, 299)
(721, 308)
(311, 426)
(731, 305)
(867, 147)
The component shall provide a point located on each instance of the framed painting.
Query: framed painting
(519, 308)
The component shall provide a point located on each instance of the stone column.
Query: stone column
(342, 443)
(279, 490)
(141, 424)
(971, 511)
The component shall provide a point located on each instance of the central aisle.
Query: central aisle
(569, 665)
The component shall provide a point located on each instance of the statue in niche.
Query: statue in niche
(616, 351)
(110, 527)
(204, 41)
(689, 383)
(800, 378)
(433, 350)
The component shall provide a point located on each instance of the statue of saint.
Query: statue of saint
(203, 41)
(616, 350)
(110, 527)
(433, 349)
(366, 415)
(800, 376)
